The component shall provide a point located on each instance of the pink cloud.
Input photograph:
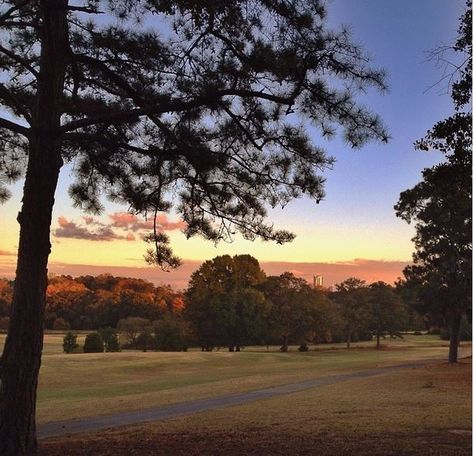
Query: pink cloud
(7, 253)
(69, 229)
(128, 221)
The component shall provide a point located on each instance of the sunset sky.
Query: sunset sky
(354, 231)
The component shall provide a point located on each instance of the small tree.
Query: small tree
(110, 339)
(132, 327)
(70, 343)
(93, 343)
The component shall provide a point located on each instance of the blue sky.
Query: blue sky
(356, 220)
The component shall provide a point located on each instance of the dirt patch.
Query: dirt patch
(259, 443)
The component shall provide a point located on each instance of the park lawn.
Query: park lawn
(80, 385)
(417, 411)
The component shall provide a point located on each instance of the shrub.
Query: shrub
(70, 342)
(417, 333)
(93, 343)
(111, 340)
(434, 332)
(303, 347)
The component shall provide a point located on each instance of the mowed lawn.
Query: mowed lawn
(81, 385)
(417, 411)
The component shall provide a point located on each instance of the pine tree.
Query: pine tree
(198, 106)
(441, 206)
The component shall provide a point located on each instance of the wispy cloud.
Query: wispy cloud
(7, 253)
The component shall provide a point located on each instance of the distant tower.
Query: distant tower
(317, 281)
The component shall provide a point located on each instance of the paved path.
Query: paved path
(163, 412)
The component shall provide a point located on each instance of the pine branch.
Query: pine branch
(14, 127)
(19, 60)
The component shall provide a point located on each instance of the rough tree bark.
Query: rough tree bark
(21, 358)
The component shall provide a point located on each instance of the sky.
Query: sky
(354, 231)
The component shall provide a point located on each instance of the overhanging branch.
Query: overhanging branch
(171, 106)
(14, 127)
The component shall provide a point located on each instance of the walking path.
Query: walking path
(159, 413)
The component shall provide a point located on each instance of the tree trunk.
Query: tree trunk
(284, 347)
(22, 353)
(348, 339)
(378, 342)
(454, 336)
(231, 348)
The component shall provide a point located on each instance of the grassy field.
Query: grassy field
(422, 411)
(79, 385)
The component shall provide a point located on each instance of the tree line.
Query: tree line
(230, 302)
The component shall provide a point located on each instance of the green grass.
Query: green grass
(80, 385)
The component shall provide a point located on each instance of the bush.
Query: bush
(93, 343)
(303, 347)
(417, 333)
(111, 340)
(70, 342)
(434, 332)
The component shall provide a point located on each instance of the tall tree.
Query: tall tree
(352, 300)
(441, 205)
(387, 314)
(293, 309)
(222, 302)
(203, 107)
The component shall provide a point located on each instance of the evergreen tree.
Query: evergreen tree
(441, 206)
(203, 107)
(94, 343)
(70, 342)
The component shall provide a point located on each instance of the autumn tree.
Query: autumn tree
(200, 107)
(441, 205)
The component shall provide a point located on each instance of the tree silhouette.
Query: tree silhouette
(441, 206)
(203, 107)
